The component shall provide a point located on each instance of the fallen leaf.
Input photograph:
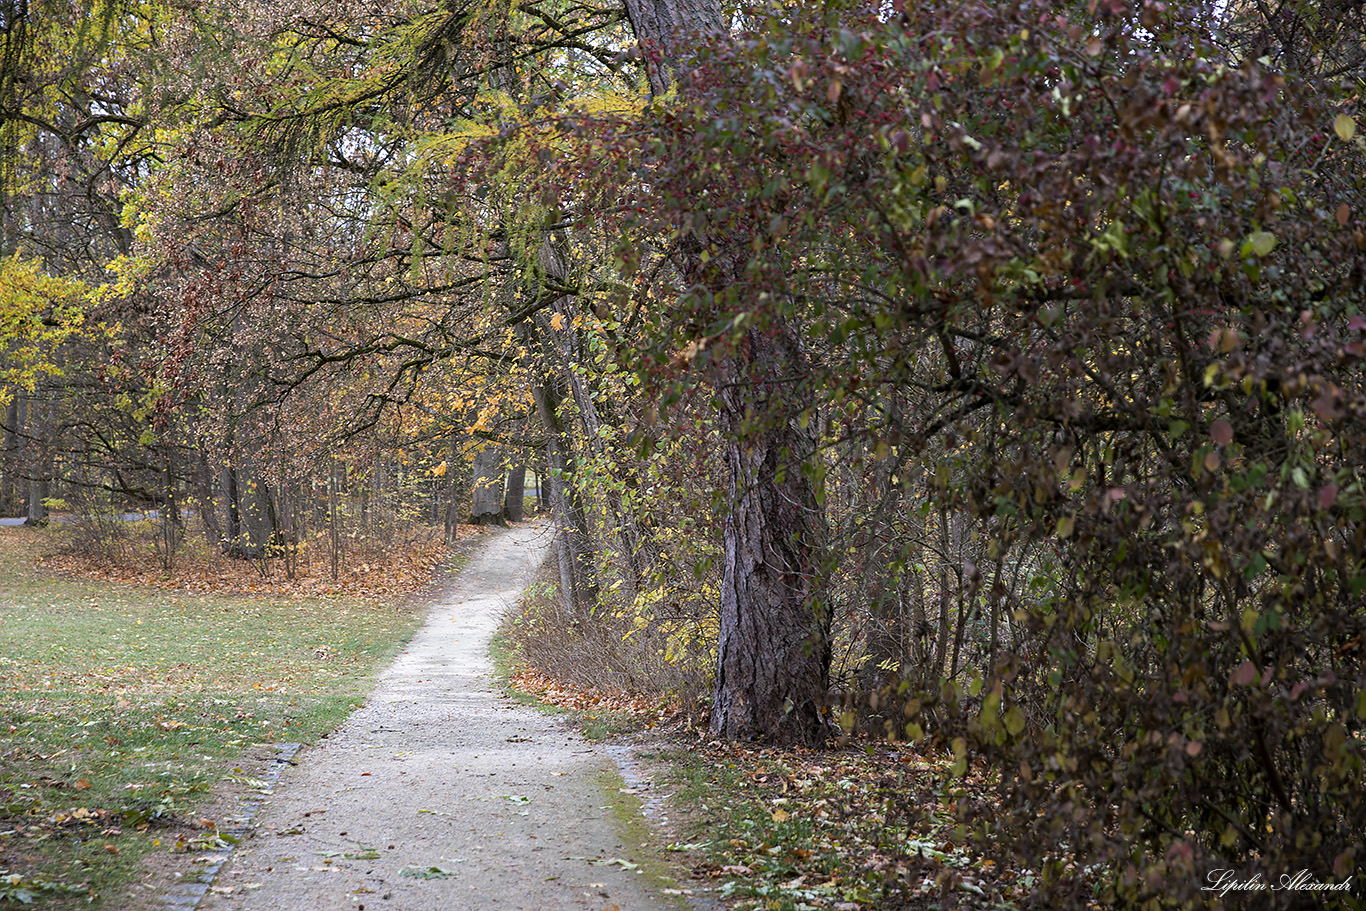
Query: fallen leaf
(1328, 495)
(431, 872)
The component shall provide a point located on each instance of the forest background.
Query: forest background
(984, 376)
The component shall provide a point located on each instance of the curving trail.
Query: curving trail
(438, 771)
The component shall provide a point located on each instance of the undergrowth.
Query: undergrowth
(596, 654)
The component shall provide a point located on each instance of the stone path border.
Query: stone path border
(187, 896)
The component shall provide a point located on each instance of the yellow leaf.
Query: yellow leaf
(557, 321)
(1345, 126)
(780, 814)
(1261, 242)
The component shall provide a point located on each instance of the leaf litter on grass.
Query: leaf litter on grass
(380, 576)
(852, 828)
(122, 707)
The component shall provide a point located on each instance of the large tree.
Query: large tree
(773, 650)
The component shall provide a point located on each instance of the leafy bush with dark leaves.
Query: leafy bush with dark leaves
(1090, 288)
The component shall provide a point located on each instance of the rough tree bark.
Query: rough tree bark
(773, 658)
(661, 27)
(773, 661)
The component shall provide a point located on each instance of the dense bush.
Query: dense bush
(1079, 300)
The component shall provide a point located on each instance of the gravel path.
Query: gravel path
(493, 805)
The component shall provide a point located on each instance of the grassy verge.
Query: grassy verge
(597, 715)
(122, 707)
(850, 829)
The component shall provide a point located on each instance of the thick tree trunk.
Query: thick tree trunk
(661, 25)
(486, 497)
(38, 488)
(514, 509)
(773, 661)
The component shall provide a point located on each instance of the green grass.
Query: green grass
(121, 707)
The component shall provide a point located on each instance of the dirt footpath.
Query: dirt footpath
(441, 795)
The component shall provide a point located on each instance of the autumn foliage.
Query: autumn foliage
(1089, 289)
(990, 373)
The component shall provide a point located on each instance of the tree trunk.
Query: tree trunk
(455, 491)
(514, 499)
(42, 421)
(258, 514)
(232, 510)
(204, 493)
(38, 487)
(773, 662)
(542, 491)
(334, 531)
(578, 587)
(9, 457)
(486, 497)
(661, 25)
(942, 642)
(619, 546)
(886, 551)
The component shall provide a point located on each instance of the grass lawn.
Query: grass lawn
(122, 708)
